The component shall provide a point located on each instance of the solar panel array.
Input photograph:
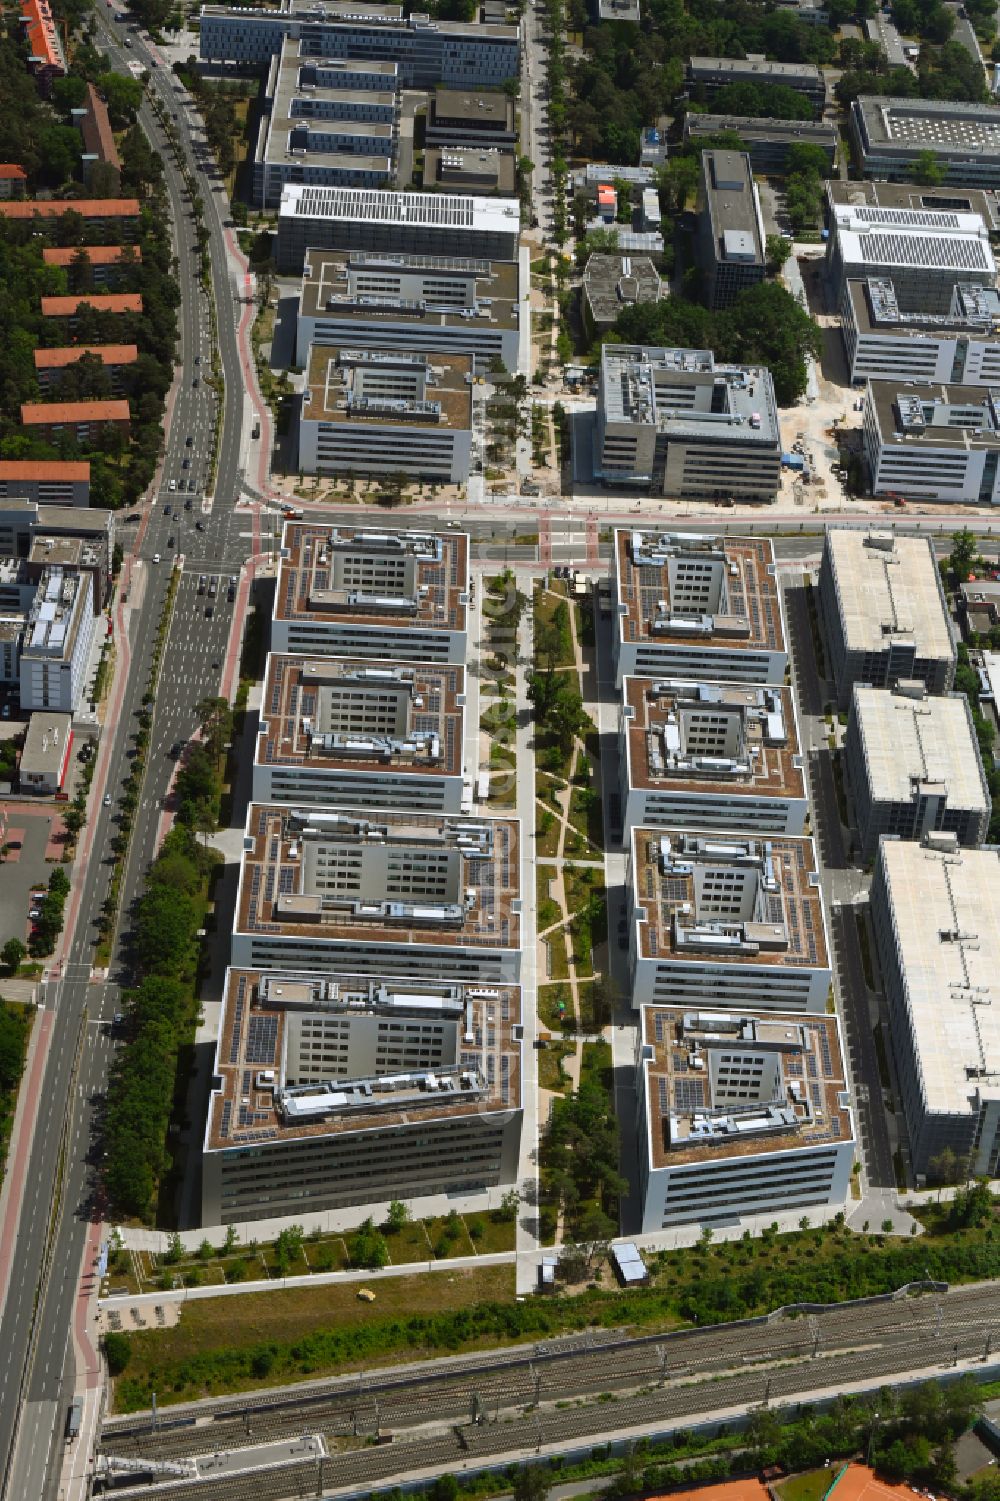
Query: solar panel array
(938, 252)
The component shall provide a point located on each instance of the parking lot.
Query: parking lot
(31, 838)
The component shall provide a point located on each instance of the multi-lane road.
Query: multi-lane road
(56, 1231)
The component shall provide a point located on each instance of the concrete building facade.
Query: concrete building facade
(882, 342)
(923, 252)
(933, 442)
(883, 612)
(58, 639)
(888, 134)
(730, 227)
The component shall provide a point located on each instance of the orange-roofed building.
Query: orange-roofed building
(45, 51)
(98, 137)
(48, 482)
(84, 419)
(101, 302)
(13, 180)
(118, 214)
(50, 363)
(108, 263)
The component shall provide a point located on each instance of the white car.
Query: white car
(156, 557)
(173, 484)
(107, 799)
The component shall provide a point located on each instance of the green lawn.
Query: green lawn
(551, 1074)
(812, 1486)
(558, 965)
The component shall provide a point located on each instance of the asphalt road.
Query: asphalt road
(82, 1046)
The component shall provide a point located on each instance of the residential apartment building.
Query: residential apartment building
(82, 420)
(409, 223)
(44, 481)
(766, 142)
(730, 227)
(100, 154)
(52, 364)
(882, 342)
(739, 1115)
(336, 1090)
(13, 180)
(381, 412)
(935, 912)
(385, 300)
(889, 134)
(100, 302)
(913, 766)
(883, 612)
(724, 922)
(701, 607)
(930, 442)
(109, 265)
(392, 894)
(673, 422)
(40, 30)
(58, 638)
(923, 252)
(710, 756)
(372, 592)
(356, 734)
(464, 55)
(707, 75)
(102, 217)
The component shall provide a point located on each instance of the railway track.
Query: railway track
(362, 1405)
(656, 1406)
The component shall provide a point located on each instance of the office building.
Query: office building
(914, 767)
(384, 300)
(409, 223)
(357, 734)
(101, 216)
(379, 412)
(470, 169)
(13, 180)
(673, 422)
(707, 75)
(860, 192)
(351, 1090)
(371, 592)
(739, 1116)
(88, 553)
(464, 55)
(82, 420)
(52, 364)
(45, 755)
(315, 77)
(612, 283)
(473, 118)
(765, 141)
(933, 442)
(726, 921)
(701, 607)
(882, 342)
(397, 894)
(100, 154)
(935, 912)
(923, 252)
(883, 612)
(710, 756)
(40, 31)
(58, 638)
(730, 227)
(108, 265)
(889, 134)
(45, 481)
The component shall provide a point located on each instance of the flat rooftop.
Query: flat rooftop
(729, 899)
(755, 70)
(60, 552)
(475, 106)
(457, 211)
(915, 743)
(403, 878)
(714, 738)
(931, 239)
(488, 169)
(370, 286)
(683, 393)
(954, 198)
(737, 1085)
(943, 126)
(45, 741)
(309, 64)
(684, 589)
(266, 1018)
(345, 388)
(613, 282)
(54, 618)
(888, 586)
(733, 210)
(331, 713)
(876, 310)
(356, 16)
(753, 128)
(932, 416)
(377, 576)
(946, 918)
